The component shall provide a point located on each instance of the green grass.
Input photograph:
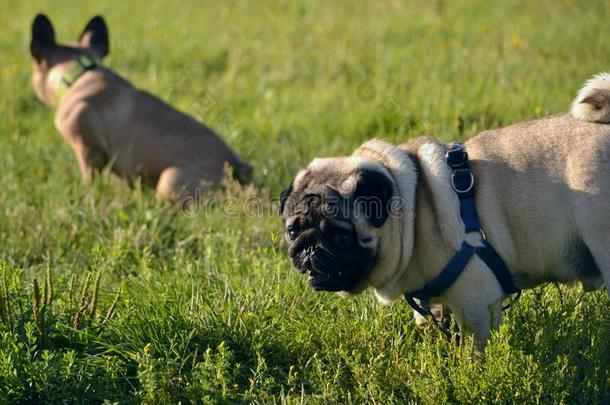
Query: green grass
(209, 308)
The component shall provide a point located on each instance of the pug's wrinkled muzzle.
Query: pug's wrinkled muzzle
(325, 272)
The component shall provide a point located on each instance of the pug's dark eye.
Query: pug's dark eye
(293, 231)
(342, 239)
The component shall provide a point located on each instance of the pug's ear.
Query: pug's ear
(95, 36)
(284, 197)
(43, 36)
(372, 196)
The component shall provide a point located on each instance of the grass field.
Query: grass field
(209, 308)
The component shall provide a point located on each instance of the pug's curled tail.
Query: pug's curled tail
(593, 101)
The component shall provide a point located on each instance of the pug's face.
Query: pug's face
(333, 214)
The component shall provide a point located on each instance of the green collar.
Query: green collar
(81, 64)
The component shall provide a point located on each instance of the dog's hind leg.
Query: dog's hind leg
(599, 245)
(177, 183)
(595, 233)
(590, 184)
(593, 224)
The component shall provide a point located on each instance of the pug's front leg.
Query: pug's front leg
(90, 160)
(479, 320)
(437, 311)
(83, 129)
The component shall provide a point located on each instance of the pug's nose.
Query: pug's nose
(306, 262)
(306, 265)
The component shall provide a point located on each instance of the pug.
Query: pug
(388, 219)
(106, 120)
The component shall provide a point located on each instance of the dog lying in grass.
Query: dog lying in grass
(390, 217)
(106, 120)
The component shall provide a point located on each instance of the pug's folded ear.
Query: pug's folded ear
(43, 36)
(283, 197)
(372, 196)
(95, 36)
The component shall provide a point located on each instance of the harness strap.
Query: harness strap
(462, 182)
(497, 266)
(451, 272)
(424, 310)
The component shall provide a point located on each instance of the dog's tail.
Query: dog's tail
(593, 101)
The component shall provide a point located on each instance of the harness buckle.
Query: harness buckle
(457, 181)
(457, 156)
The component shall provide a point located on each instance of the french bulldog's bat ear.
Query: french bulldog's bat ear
(43, 36)
(372, 196)
(283, 197)
(95, 36)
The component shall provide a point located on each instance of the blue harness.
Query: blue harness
(462, 182)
